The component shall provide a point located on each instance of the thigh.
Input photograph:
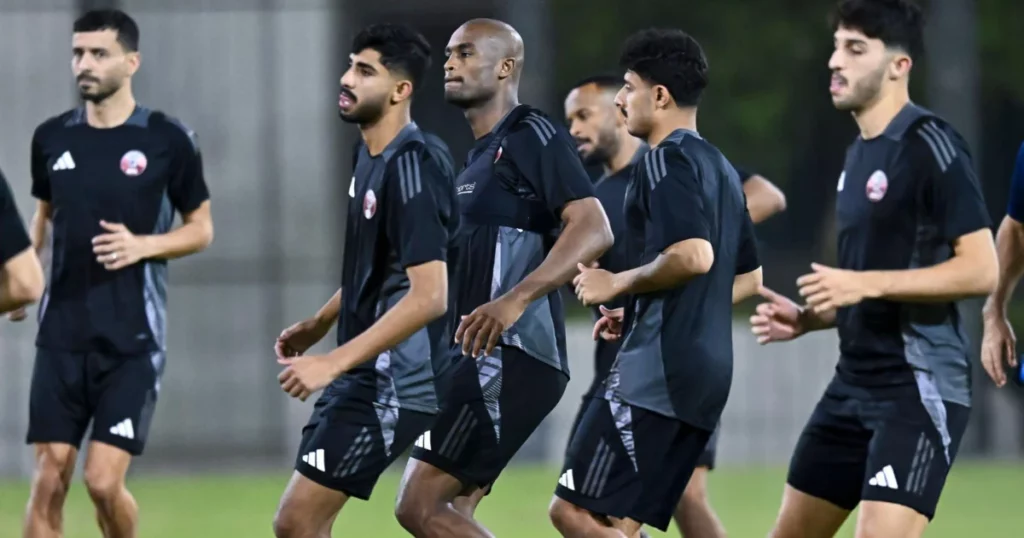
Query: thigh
(831, 452)
(351, 440)
(125, 391)
(59, 406)
(911, 453)
(307, 504)
(493, 405)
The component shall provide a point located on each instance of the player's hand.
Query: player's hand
(480, 331)
(118, 248)
(777, 320)
(828, 288)
(609, 327)
(595, 286)
(20, 314)
(298, 338)
(998, 348)
(306, 375)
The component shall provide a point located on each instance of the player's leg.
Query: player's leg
(58, 417)
(466, 504)
(424, 504)
(694, 515)
(105, 470)
(307, 509)
(125, 392)
(825, 472)
(607, 487)
(909, 459)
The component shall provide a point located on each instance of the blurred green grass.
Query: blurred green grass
(981, 500)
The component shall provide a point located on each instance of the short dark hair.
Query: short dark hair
(111, 19)
(402, 49)
(897, 23)
(604, 81)
(670, 58)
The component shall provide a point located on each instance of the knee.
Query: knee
(103, 485)
(694, 496)
(49, 485)
(290, 523)
(563, 514)
(413, 515)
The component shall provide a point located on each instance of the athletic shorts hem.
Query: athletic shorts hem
(322, 480)
(608, 508)
(448, 467)
(35, 438)
(134, 448)
(821, 495)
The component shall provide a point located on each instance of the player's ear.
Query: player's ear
(506, 67)
(900, 66)
(402, 91)
(134, 61)
(662, 98)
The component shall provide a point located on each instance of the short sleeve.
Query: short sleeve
(957, 204)
(13, 238)
(187, 188)
(746, 253)
(39, 170)
(676, 199)
(420, 200)
(1015, 206)
(546, 157)
(743, 173)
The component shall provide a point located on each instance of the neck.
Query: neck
(483, 118)
(875, 117)
(627, 149)
(112, 111)
(680, 118)
(379, 134)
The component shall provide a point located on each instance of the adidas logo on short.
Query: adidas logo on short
(316, 459)
(64, 162)
(124, 429)
(424, 441)
(885, 478)
(566, 480)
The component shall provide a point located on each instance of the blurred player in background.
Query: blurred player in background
(914, 238)
(693, 251)
(999, 344)
(380, 380)
(602, 138)
(109, 177)
(522, 183)
(21, 276)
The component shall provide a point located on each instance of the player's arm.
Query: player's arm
(958, 208)
(40, 222)
(420, 205)
(21, 276)
(764, 199)
(1009, 245)
(194, 235)
(555, 170)
(677, 227)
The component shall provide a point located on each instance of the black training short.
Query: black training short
(118, 394)
(353, 436)
(491, 406)
(628, 462)
(862, 444)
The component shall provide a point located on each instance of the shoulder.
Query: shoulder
(438, 152)
(419, 160)
(666, 160)
(931, 141)
(177, 132)
(55, 124)
(535, 130)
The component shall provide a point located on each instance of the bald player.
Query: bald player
(522, 186)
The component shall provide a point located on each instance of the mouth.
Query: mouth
(836, 84)
(583, 146)
(345, 101)
(452, 82)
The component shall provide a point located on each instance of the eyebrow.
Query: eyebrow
(459, 47)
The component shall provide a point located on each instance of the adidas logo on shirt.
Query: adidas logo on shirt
(123, 428)
(64, 162)
(885, 478)
(424, 441)
(566, 480)
(316, 460)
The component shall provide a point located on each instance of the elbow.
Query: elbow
(701, 259)
(987, 280)
(604, 238)
(205, 236)
(27, 289)
(779, 204)
(433, 302)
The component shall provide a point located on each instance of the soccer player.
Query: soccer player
(692, 246)
(602, 138)
(21, 277)
(914, 238)
(380, 394)
(523, 184)
(999, 344)
(109, 177)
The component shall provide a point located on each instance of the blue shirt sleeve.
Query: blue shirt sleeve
(421, 199)
(957, 204)
(746, 256)
(13, 239)
(676, 200)
(1015, 207)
